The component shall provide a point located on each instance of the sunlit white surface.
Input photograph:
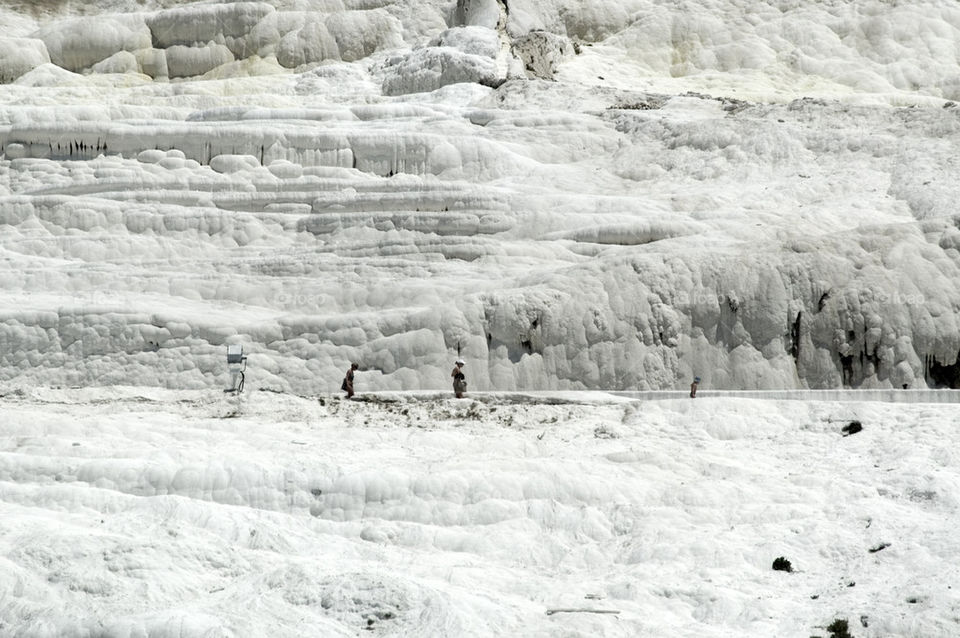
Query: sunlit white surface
(578, 195)
(131, 512)
(570, 195)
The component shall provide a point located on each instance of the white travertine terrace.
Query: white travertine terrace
(580, 195)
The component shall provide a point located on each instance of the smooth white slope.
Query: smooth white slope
(132, 512)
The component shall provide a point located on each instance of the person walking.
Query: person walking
(459, 380)
(693, 387)
(347, 384)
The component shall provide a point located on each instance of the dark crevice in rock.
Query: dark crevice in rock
(939, 375)
(795, 338)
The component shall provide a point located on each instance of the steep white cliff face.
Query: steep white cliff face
(577, 195)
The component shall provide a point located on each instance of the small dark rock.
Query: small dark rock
(881, 546)
(781, 564)
(839, 629)
(852, 428)
(493, 83)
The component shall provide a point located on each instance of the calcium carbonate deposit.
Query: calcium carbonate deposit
(581, 195)
(590, 202)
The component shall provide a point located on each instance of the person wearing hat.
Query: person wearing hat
(693, 387)
(459, 381)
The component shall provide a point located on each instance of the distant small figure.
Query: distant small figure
(693, 387)
(459, 381)
(347, 384)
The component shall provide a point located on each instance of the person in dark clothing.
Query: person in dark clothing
(459, 380)
(347, 384)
